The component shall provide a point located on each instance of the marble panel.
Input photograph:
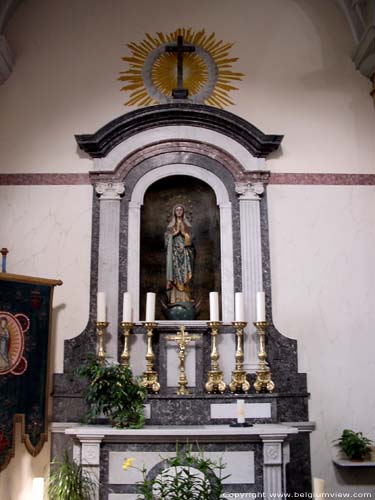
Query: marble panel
(229, 410)
(239, 465)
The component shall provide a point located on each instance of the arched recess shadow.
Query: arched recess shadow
(201, 208)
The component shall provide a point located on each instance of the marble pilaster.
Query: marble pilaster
(251, 258)
(272, 465)
(90, 458)
(108, 261)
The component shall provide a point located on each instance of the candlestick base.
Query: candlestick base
(264, 381)
(150, 381)
(215, 382)
(236, 424)
(239, 382)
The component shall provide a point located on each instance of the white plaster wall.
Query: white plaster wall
(296, 56)
(47, 230)
(323, 279)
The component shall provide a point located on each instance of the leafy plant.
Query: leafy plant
(114, 392)
(69, 481)
(186, 476)
(354, 444)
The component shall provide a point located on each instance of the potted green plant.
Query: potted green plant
(69, 481)
(112, 391)
(354, 444)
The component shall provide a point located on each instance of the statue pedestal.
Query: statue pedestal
(256, 457)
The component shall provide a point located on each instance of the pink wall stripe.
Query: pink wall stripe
(324, 179)
(275, 178)
(43, 179)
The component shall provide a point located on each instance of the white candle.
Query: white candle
(38, 488)
(150, 307)
(127, 308)
(240, 306)
(318, 487)
(261, 306)
(101, 309)
(240, 411)
(214, 306)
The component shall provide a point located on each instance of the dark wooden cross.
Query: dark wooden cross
(180, 49)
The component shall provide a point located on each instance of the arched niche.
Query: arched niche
(225, 222)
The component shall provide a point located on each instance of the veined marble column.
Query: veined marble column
(251, 260)
(108, 262)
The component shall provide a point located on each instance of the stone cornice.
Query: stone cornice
(99, 144)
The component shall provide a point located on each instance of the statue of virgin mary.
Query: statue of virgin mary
(180, 257)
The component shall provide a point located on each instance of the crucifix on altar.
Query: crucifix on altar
(180, 92)
(183, 339)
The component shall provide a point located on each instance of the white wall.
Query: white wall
(322, 291)
(299, 81)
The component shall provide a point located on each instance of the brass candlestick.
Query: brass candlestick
(182, 339)
(215, 382)
(101, 327)
(263, 374)
(239, 382)
(150, 376)
(125, 356)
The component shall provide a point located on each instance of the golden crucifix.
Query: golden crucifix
(182, 338)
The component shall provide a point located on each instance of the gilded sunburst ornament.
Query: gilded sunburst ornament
(207, 74)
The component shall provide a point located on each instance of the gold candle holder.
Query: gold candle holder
(215, 382)
(101, 327)
(182, 338)
(263, 374)
(150, 376)
(239, 382)
(125, 356)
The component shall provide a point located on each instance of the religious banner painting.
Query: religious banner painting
(184, 64)
(25, 305)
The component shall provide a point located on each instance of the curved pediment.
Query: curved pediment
(99, 144)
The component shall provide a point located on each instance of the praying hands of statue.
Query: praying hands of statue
(180, 228)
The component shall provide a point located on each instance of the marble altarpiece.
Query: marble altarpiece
(214, 161)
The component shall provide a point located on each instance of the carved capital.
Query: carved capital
(272, 453)
(110, 190)
(249, 190)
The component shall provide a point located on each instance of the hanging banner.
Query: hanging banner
(25, 322)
